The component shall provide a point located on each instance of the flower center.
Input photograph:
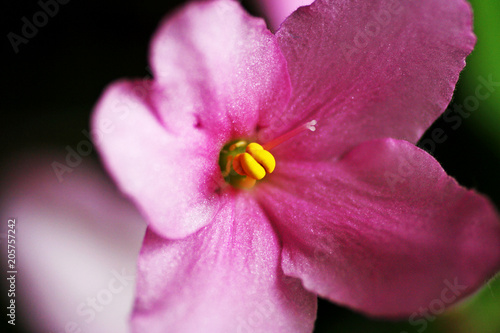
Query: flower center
(243, 163)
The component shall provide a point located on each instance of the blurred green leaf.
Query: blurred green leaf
(484, 62)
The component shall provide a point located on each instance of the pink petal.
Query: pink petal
(383, 230)
(77, 243)
(277, 10)
(217, 63)
(172, 177)
(224, 278)
(394, 83)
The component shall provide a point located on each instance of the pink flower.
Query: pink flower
(353, 212)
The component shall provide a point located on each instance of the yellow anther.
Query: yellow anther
(252, 167)
(253, 147)
(243, 163)
(263, 157)
(227, 170)
(238, 144)
(237, 165)
(254, 163)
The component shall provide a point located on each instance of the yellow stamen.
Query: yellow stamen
(242, 164)
(254, 163)
(227, 170)
(252, 167)
(238, 144)
(237, 165)
(262, 156)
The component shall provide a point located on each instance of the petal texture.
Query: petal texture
(370, 69)
(172, 177)
(224, 278)
(219, 64)
(277, 10)
(383, 230)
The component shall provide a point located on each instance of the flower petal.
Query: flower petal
(173, 176)
(77, 245)
(383, 230)
(370, 69)
(277, 10)
(216, 62)
(225, 278)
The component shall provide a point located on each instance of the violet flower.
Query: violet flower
(353, 212)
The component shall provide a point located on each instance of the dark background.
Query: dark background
(50, 87)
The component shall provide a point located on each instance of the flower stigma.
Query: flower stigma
(243, 163)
